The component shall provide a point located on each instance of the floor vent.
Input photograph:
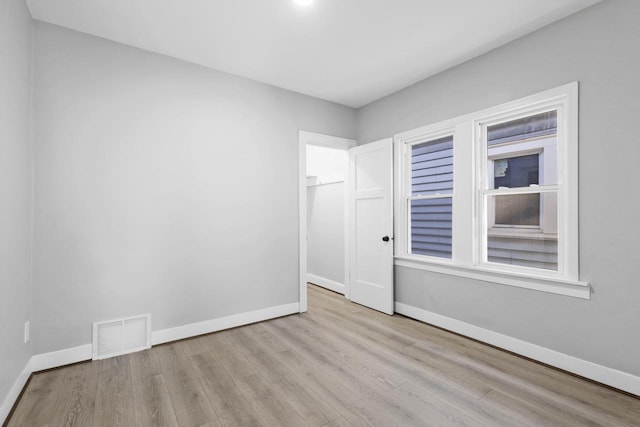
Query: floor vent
(121, 336)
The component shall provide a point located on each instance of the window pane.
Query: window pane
(432, 167)
(431, 227)
(517, 209)
(526, 128)
(515, 172)
(534, 246)
(524, 151)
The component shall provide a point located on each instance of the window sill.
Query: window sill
(572, 288)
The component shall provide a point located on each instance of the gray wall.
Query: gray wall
(15, 189)
(599, 47)
(325, 232)
(160, 187)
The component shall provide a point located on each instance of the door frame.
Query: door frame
(312, 138)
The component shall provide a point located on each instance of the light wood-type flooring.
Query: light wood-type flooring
(338, 365)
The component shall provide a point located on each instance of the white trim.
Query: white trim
(553, 285)
(14, 392)
(347, 241)
(570, 161)
(525, 103)
(82, 353)
(602, 374)
(302, 222)
(222, 323)
(304, 138)
(314, 181)
(564, 100)
(332, 285)
(402, 161)
(326, 140)
(55, 359)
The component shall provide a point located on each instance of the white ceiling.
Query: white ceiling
(348, 51)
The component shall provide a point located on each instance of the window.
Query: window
(520, 197)
(431, 198)
(492, 195)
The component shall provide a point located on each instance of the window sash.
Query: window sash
(485, 191)
(520, 190)
(536, 233)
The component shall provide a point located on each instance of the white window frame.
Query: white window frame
(470, 179)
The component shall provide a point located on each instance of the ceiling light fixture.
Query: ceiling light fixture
(303, 3)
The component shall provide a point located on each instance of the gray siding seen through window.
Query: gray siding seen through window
(431, 218)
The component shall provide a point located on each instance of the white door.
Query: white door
(371, 225)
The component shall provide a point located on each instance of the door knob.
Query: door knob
(385, 239)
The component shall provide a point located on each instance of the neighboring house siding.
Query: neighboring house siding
(541, 253)
(431, 219)
(535, 126)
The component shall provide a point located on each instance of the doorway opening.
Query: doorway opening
(324, 250)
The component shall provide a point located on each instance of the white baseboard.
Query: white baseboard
(214, 325)
(55, 359)
(332, 285)
(14, 392)
(81, 353)
(602, 374)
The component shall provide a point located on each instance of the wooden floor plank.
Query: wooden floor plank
(270, 406)
(371, 381)
(189, 400)
(150, 396)
(418, 368)
(355, 407)
(76, 402)
(602, 404)
(530, 414)
(230, 404)
(443, 410)
(313, 409)
(114, 397)
(266, 340)
(267, 364)
(37, 406)
(338, 354)
(633, 413)
(339, 422)
(339, 365)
